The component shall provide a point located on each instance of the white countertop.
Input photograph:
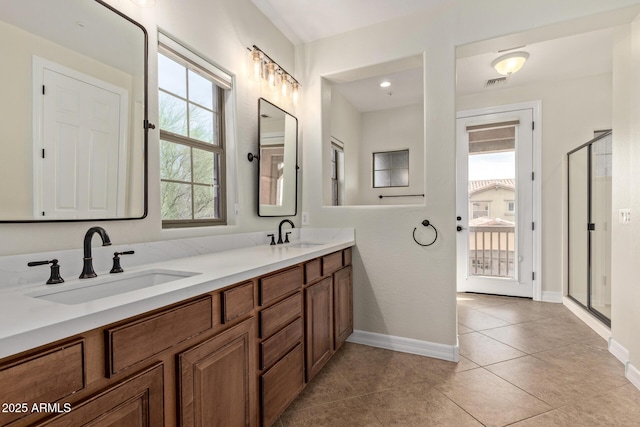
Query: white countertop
(27, 322)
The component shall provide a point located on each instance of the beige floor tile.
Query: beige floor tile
(589, 361)
(328, 386)
(619, 408)
(490, 399)
(513, 313)
(416, 405)
(435, 371)
(348, 412)
(463, 329)
(528, 340)
(483, 350)
(547, 382)
(477, 320)
(369, 377)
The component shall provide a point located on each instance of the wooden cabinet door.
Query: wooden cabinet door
(216, 380)
(135, 402)
(319, 325)
(342, 305)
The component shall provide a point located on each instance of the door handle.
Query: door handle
(459, 228)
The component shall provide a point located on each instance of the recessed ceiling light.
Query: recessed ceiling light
(385, 84)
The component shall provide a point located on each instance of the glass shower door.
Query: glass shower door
(589, 168)
(578, 226)
(601, 162)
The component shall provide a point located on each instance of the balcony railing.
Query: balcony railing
(492, 251)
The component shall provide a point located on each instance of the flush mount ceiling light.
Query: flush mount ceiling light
(509, 63)
(385, 84)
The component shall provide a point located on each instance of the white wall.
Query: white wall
(221, 31)
(625, 239)
(390, 130)
(400, 288)
(571, 111)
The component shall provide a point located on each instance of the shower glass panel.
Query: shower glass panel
(601, 162)
(589, 175)
(578, 221)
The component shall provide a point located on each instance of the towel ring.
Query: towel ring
(426, 223)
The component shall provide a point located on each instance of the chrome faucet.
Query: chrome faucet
(280, 231)
(87, 269)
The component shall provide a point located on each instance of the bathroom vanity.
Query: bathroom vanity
(226, 346)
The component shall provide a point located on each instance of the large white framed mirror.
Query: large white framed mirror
(278, 146)
(74, 112)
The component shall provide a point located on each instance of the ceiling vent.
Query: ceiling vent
(499, 81)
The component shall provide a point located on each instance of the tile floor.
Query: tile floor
(522, 363)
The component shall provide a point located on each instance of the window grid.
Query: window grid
(214, 204)
(391, 169)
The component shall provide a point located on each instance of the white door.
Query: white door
(494, 203)
(82, 137)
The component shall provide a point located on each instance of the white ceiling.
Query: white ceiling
(303, 21)
(553, 55)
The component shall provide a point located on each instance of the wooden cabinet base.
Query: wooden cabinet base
(281, 384)
(216, 380)
(136, 402)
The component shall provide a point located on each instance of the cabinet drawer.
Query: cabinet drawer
(237, 302)
(134, 342)
(312, 271)
(278, 345)
(281, 384)
(331, 263)
(136, 401)
(347, 256)
(46, 377)
(275, 317)
(279, 284)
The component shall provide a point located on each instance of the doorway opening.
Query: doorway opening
(496, 201)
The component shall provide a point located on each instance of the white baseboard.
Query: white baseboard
(633, 375)
(552, 296)
(621, 353)
(595, 324)
(406, 345)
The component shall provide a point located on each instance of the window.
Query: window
(391, 169)
(511, 207)
(192, 157)
(337, 175)
(479, 209)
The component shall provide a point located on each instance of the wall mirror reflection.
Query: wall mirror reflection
(73, 135)
(278, 145)
(376, 140)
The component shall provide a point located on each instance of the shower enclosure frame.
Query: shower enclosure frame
(590, 228)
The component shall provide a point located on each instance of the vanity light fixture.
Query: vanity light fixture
(509, 63)
(277, 77)
(385, 84)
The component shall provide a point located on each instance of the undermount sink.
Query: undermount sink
(304, 245)
(80, 291)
